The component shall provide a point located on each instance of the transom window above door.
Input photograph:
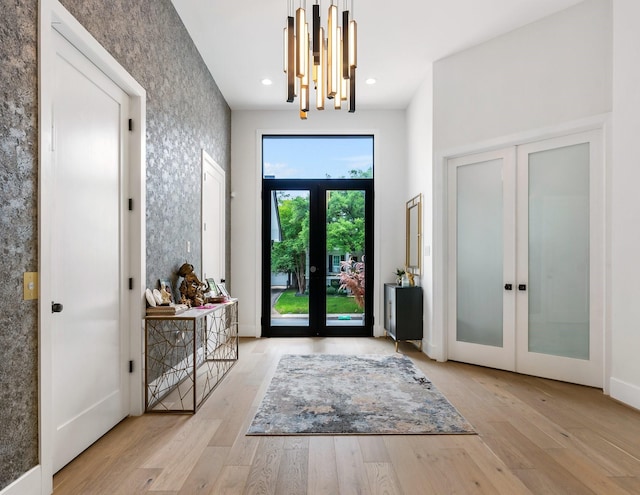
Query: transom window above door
(317, 157)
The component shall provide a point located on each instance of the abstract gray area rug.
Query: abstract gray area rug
(325, 394)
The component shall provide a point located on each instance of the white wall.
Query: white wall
(625, 206)
(388, 128)
(419, 180)
(552, 71)
(542, 78)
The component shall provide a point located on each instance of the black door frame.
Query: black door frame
(317, 257)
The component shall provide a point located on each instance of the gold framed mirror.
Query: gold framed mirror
(414, 235)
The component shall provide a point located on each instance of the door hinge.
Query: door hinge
(130, 283)
(131, 124)
(131, 366)
(130, 204)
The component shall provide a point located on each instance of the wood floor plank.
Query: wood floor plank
(373, 448)
(263, 476)
(293, 472)
(243, 450)
(206, 471)
(410, 466)
(138, 482)
(382, 478)
(629, 483)
(535, 436)
(491, 465)
(588, 472)
(540, 460)
(231, 481)
(352, 477)
(617, 461)
(322, 468)
(181, 453)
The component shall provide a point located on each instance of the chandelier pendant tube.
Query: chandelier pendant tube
(291, 60)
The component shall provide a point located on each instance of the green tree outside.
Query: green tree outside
(290, 255)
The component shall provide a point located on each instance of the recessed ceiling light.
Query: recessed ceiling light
(267, 82)
(370, 81)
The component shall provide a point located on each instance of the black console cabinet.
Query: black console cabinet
(403, 313)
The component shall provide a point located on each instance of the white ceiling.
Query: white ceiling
(241, 42)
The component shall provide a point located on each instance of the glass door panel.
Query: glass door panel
(479, 253)
(345, 256)
(289, 270)
(559, 251)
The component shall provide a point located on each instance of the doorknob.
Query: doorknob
(56, 307)
(508, 286)
(312, 269)
(522, 287)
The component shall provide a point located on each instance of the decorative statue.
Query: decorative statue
(191, 288)
(411, 277)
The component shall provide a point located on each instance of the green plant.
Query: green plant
(352, 278)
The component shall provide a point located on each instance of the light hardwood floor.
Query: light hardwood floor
(535, 436)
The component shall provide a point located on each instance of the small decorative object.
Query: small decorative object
(191, 289)
(212, 293)
(157, 296)
(399, 273)
(165, 291)
(151, 301)
(223, 290)
(411, 277)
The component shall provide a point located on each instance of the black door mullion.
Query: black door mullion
(317, 241)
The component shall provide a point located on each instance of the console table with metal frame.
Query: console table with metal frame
(187, 355)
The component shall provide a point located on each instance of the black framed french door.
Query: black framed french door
(317, 257)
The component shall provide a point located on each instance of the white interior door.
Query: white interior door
(560, 237)
(482, 259)
(213, 219)
(525, 267)
(89, 341)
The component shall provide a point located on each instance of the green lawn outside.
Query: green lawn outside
(288, 303)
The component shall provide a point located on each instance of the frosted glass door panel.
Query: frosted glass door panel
(480, 253)
(559, 251)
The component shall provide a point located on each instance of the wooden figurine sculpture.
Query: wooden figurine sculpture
(191, 288)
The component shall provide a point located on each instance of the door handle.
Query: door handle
(508, 286)
(522, 287)
(56, 307)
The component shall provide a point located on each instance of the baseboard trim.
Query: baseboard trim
(30, 483)
(433, 352)
(248, 331)
(625, 392)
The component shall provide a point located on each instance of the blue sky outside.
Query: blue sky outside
(315, 157)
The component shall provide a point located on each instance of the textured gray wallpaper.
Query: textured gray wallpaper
(185, 113)
(18, 239)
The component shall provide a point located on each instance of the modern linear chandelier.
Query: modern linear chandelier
(330, 63)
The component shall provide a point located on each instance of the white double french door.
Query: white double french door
(525, 269)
